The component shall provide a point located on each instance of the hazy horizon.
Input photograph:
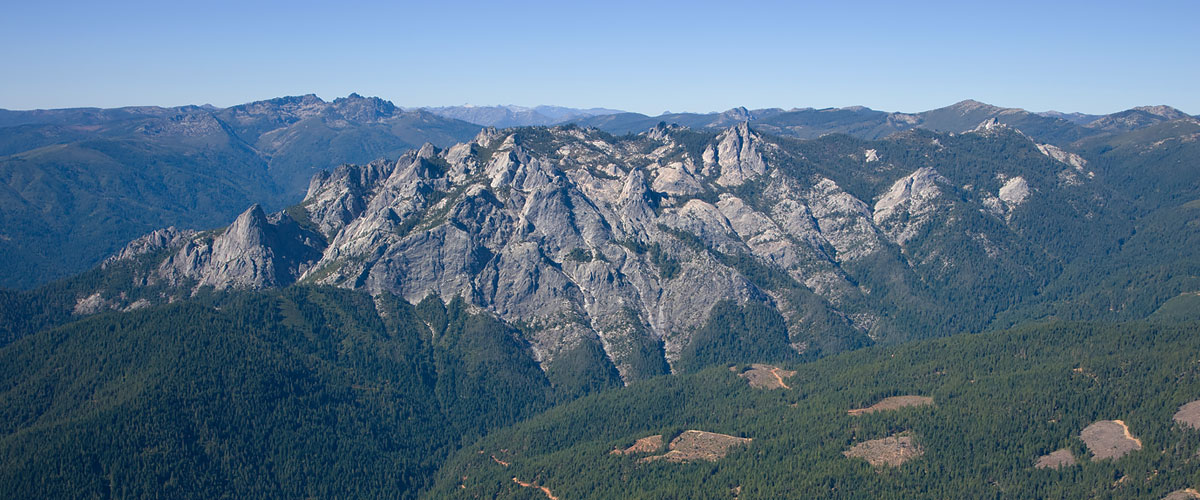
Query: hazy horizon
(611, 108)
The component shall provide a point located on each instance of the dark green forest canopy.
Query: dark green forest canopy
(319, 392)
(296, 393)
(1002, 400)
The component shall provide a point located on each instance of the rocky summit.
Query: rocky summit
(584, 240)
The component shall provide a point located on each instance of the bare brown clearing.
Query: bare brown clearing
(699, 445)
(1056, 460)
(893, 403)
(890, 451)
(1189, 415)
(766, 376)
(648, 444)
(1109, 439)
(1186, 494)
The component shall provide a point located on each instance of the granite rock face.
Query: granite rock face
(253, 252)
(581, 238)
(159, 240)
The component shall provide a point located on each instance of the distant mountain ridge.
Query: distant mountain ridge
(866, 123)
(516, 116)
(76, 184)
(80, 182)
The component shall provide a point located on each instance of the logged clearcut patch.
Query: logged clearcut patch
(1109, 439)
(893, 403)
(1056, 460)
(1188, 494)
(1189, 415)
(699, 445)
(891, 451)
(648, 444)
(766, 376)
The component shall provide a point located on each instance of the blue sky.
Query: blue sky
(643, 56)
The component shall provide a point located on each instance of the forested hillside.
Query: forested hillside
(1000, 401)
(298, 393)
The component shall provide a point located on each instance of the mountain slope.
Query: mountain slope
(294, 393)
(77, 184)
(614, 253)
(64, 206)
(1000, 401)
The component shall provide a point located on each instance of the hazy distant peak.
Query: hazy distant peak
(564, 112)
(1164, 111)
(357, 107)
(514, 116)
(291, 99)
(297, 107)
(739, 113)
(355, 98)
(1076, 118)
(1138, 117)
(971, 105)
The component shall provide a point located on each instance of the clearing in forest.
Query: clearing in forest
(1056, 460)
(1109, 439)
(766, 376)
(699, 445)
(1189, 415)
(1188, 494)
(648, 444)
(891, 451)
(893, 403)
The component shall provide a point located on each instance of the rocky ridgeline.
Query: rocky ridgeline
(578, 237)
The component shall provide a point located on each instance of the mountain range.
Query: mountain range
(79, 183)
(516, 116)
(623, 247)
(512, 312)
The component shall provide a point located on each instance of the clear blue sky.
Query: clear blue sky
(1095, 56)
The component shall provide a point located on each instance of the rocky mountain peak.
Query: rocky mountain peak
(287, 109)
(487, 136)
(156, 241)
(253, 252)
(989, 125)
(972, 106)
(364, 109)
(624, 245)
(248, 226)
(1166, 112)
(739, 113)
(427, 151)
(662, 131)
(736, 156)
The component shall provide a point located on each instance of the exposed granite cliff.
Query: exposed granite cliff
(580, 238)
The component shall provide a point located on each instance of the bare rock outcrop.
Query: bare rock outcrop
(581, 238)
(253, 252)
(156, 241)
